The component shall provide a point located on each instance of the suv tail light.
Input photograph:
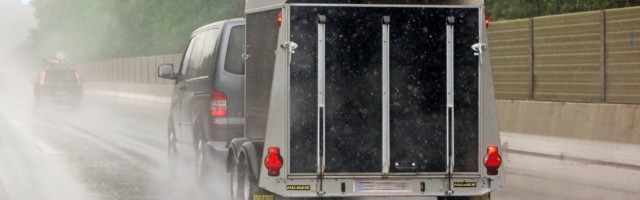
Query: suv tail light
(42, 75)
(218, 104)
(492, 160)
(273, 161)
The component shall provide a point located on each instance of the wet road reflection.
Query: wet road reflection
(116, 149)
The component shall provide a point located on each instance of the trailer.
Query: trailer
(366, 98)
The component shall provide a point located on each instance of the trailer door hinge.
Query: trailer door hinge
(289, 46)
(479, 48)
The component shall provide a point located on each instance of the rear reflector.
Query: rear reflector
(492, 160)
(218, 104)
(273, 161)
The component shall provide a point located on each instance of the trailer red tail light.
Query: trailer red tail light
(486, 21)
(279, 19)
(492, 160)
(218, 104)
(273, 161)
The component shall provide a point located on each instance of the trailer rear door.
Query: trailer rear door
(383, 90)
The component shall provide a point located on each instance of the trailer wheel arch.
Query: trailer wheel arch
(250, 153)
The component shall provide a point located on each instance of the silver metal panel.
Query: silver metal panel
(432, 187)
(385, 98)
(483, 40)
(257, 5)
(407, 175)
(450, 98)
(321, 98)
(489, 123)
(277, 126)
(450, 103)
(286, 63)
(387, 5)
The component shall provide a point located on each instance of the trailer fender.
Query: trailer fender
(252, 151)
(232, 152)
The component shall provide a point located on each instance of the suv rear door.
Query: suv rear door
(229, 78)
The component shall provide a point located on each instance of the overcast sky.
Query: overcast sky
(16, 19)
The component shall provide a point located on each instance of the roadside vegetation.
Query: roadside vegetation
(99, 30)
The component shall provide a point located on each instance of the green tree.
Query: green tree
(96, 30)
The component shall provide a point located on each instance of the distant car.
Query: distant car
(207, 108)
(59, 85)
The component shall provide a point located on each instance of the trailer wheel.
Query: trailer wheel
(233, 175)
(245, 182)
(483, 197)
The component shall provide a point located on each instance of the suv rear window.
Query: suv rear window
(60, 75)
(233, 60)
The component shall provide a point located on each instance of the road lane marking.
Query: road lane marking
(44, 147)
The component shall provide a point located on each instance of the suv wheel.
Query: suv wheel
(172, 150)
(202, 162)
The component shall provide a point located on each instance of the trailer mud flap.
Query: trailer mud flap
(369, 89)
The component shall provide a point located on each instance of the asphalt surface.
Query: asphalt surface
(116, 149)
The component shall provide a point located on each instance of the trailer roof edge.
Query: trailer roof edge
(252, 6)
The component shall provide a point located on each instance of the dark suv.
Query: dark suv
(60, 85)
(207, 108)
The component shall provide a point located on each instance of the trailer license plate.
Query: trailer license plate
(375, 186)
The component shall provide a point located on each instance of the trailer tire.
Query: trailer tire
(483, 197)
(246, 182)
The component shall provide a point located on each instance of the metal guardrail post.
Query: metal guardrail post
(531, 60)
(603, 56)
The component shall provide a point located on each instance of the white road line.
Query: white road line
(44, 147)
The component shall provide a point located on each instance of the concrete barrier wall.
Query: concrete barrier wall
(160, 93)
(591, 121)
(129, 70)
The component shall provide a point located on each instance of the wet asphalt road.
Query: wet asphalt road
(106, 149)
(116, 149)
